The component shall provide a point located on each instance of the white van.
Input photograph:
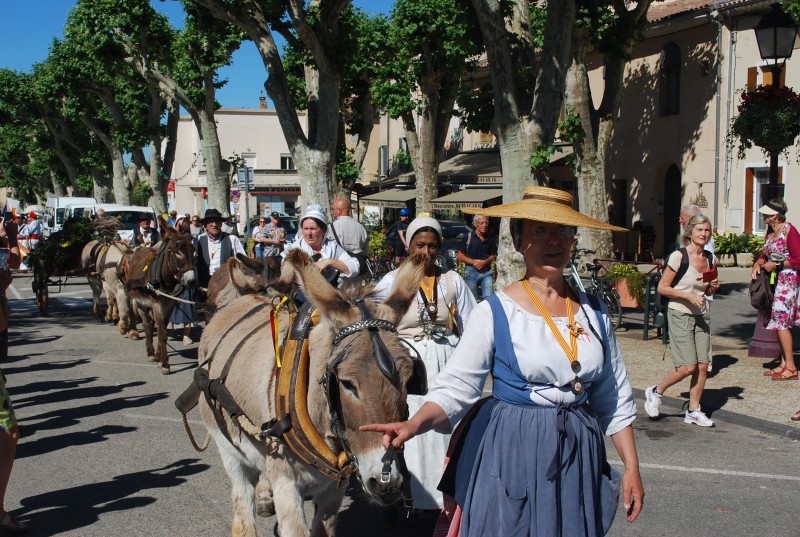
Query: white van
(55, 211)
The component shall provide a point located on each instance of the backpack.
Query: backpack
(761, 292)
(662, 302)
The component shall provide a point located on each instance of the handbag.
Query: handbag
(761, 292)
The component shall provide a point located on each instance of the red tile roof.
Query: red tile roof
(668, 8)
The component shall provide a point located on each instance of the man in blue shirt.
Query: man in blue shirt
(477, 251)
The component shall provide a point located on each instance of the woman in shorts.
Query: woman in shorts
(689, 320)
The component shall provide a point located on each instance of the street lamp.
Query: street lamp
(775, 34)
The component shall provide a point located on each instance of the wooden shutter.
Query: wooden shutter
(752, 78)
(749, 179)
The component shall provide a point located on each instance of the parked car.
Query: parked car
(452, 231)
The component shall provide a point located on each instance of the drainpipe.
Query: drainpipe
(726, 173)
(713, 15)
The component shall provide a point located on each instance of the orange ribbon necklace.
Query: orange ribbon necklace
(570, 350)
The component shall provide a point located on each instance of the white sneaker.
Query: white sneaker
(652, 401)
(698, 418)
(187, 340)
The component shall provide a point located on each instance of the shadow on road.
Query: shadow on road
(76, 507)
(66, 417)
(60, 394)
(49, 444)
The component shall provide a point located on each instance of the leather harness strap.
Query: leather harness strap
(291, 399)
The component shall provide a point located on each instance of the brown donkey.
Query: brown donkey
(156, 276)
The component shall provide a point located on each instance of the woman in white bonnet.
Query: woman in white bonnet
(312, 241)
(432, 325)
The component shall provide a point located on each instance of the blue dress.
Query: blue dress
(547, 477)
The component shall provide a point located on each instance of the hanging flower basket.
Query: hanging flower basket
(769, 117)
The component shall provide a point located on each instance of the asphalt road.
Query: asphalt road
(104, 452)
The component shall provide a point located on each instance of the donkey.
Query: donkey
(102, 259)
(237, 344)
(156, 275)
(240, 275)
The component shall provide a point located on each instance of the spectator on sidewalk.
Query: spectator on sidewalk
(477, 251)
(401, 246)
(349, 233)
(195, 227)
(269, 236)
(782, 240)
(689, 319)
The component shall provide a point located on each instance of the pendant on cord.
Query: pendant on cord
(576, 367)
(577, 385)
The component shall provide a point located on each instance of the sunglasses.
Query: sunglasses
(562, 232)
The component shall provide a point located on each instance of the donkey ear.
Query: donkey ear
(406, 285)
(243, 278)
(314, 285)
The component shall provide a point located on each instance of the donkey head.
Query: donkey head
(367, 369)
(180, 256)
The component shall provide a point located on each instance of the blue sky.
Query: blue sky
(27, 28)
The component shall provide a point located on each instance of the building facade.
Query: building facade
(253, 135)
(681, 89)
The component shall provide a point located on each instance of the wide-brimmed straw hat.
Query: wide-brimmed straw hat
(543, 204)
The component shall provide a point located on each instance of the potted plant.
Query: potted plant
(629, 283)
(737, 250)
(723, 249)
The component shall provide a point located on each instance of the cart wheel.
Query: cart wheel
(40, 288)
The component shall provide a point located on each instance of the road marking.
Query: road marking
(161, 418)
(711, 471)
(14, 291)
(144, 364)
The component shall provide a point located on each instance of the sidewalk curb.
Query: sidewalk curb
(735, 418)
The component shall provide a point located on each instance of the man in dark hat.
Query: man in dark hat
(214, 247)
(146, 234)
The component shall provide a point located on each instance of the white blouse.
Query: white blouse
(329, 250)
(542, 362)
(409, 325)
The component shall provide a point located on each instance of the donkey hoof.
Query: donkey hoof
(151, 358)
(133, 335)
(165, 370)
(265, 507)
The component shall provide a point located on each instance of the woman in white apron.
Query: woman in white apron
(433, 325)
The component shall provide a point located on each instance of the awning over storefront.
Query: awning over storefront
(394, 198)
(469, 197)
(473, 167)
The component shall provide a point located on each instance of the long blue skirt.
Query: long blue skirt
(535, 471)
(184, 313)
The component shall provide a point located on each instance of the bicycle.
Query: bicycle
(378, 267)
(600, 287)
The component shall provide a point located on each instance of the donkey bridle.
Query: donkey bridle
(416, 385)
(164, 253)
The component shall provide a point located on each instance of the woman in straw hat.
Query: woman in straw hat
(532, 459)
(432, 325)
